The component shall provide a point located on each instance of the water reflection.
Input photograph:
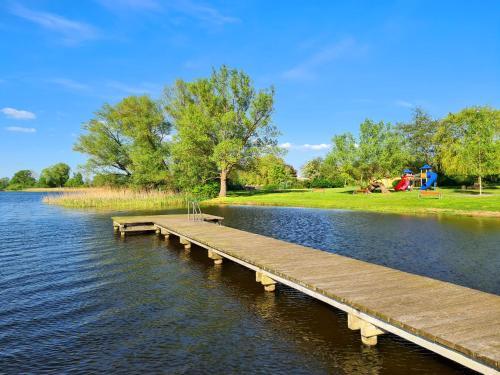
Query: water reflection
(77, 298)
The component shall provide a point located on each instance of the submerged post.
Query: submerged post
(369, 332)
(185, 242)
(268, 283)
(216, 257)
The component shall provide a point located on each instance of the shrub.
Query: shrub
(206, 191)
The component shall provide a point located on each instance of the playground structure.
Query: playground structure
(428, 178)
(427, 182)
(406, 182)
(372, 186)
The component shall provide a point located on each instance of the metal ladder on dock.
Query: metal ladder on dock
(194, 211)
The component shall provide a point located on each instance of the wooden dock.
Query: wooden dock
(459, 323)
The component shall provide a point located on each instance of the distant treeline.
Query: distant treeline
(57, 175)
(461, 147)
(216, 133)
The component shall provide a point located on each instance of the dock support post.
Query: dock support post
(268, 283)
(369, 332)
(165, 233)
(216, 257)
(186, 243)
(116, 227)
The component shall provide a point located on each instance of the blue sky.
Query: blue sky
(332, 63)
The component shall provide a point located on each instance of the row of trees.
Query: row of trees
(217, 129)
(464, 144)
(57, 175)
(196, 133)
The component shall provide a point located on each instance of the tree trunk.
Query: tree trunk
(480, 180)
(223, 184)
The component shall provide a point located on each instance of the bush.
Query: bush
(110, 180)
(15, 187)
(270, 187)
(321, 183)
(206, 191)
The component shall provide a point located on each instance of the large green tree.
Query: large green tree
(383, 152)
(222, 122)
(469, 143)
(268, 170)
(55, 175)
(341, 163)
(23, 179)
(75, 181)
(419, 134)
(128, 139)
(312, 168)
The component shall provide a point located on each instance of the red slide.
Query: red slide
(403, 184)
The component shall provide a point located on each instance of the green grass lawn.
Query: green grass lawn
(454, 202)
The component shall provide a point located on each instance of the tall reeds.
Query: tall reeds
(102, 198)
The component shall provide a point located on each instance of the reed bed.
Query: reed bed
(117, 199)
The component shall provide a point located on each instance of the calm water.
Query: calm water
(76, 298)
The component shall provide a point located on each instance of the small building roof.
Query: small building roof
(426, 166)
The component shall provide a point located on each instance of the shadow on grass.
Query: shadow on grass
(249, 193)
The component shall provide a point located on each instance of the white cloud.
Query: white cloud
(72, 32)
(144, 88)
(305, 147)
(70, 84)
(321, 146)
(306, 70)
(202, 12)
(404, 103)
(19, 129)
(190, 8)
(18, 114)
(120, 5)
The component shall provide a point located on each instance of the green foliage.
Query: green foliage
(54, 176)
(222, 123)
(469, 142)
(129, 138)
(420, 134)
(206, 191)
(75, 181)
(321, 183)
(312, 169)
(341, 163)
(270, 171)
(110, 180)
(22, 179)
(4, 182)
(381, 151)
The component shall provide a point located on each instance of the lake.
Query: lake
(77, 298)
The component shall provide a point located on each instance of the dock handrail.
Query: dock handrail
(194, 211)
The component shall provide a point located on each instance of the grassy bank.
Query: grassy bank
(454, 202)
(114, 199)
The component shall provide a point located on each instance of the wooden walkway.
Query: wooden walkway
(459, 323)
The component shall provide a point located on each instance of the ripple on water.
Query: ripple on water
(81, 300)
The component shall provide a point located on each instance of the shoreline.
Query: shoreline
(422, 212)
(453, 204)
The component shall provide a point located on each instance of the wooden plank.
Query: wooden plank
(458, 322)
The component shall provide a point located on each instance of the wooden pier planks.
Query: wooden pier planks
(459, 319)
